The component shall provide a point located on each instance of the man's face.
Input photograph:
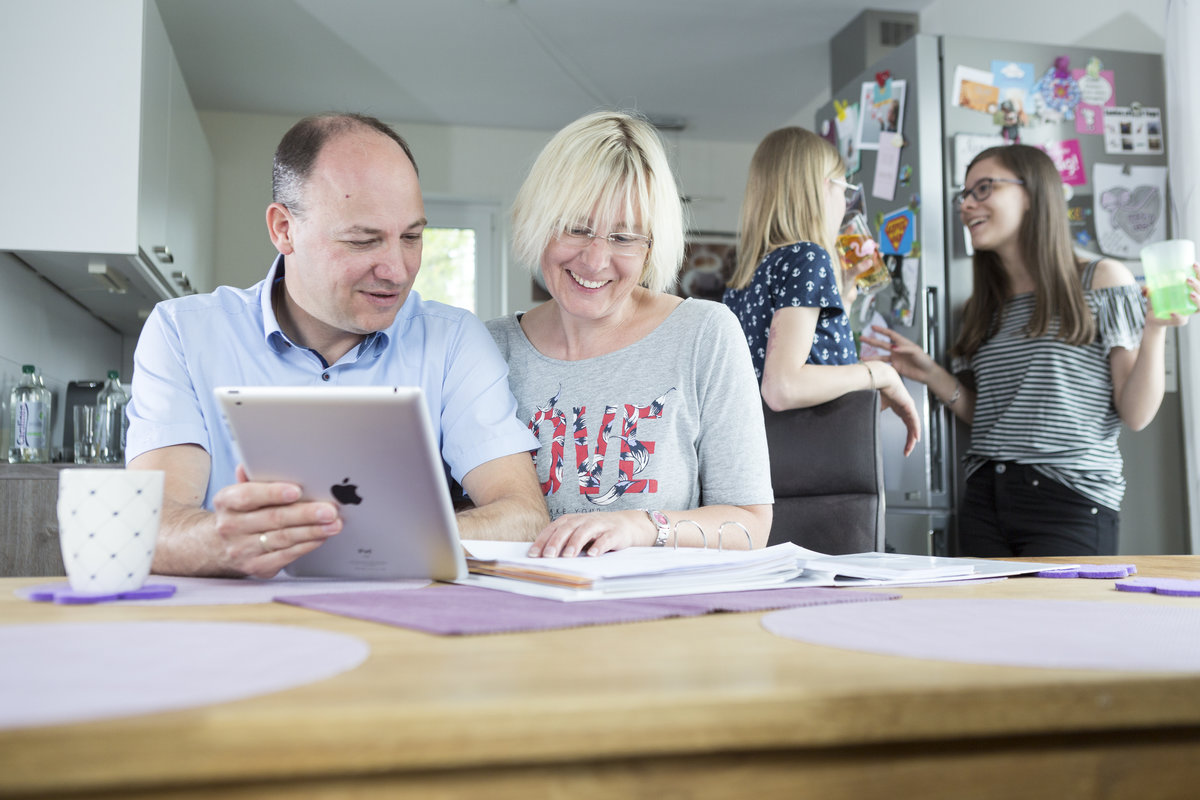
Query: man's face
(354, 252)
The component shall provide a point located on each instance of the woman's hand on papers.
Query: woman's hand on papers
(593, 534)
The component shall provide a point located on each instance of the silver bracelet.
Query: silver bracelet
(957, 393)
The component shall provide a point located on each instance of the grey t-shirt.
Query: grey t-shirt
(673, 421)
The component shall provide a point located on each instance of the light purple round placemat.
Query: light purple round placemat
(76, 672)
(1023, 633)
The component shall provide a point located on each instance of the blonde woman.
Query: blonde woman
(790, 294)
(643, 403)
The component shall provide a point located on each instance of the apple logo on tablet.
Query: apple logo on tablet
(345, 493)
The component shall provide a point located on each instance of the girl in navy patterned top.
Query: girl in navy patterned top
(789, 294)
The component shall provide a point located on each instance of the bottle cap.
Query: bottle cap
(112, 374)
(28, 368)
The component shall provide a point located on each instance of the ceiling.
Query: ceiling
(727, 70)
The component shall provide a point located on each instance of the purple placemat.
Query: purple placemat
(464, 610)
(1055, 634)
(76, 672)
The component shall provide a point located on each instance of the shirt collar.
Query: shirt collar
(274, 335)
(374, 343)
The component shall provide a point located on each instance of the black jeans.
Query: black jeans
(1013, 510)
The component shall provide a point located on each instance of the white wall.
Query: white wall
(479, 164)
(40, 325)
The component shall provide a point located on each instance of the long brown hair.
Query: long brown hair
(785, 198)
(1044, 238)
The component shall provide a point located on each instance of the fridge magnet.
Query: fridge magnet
(906, 173)
(887, 166)
(1010, 118)
(881, 110)
(896, 232)
(1014, 81)
(1069, 160)
(1097, 91)
(1129, 207)
(1079, 218)
(966, 147)
(1133, 131)
(875, 320)
(829, 132)
(979, 97)
(980, 77)
(904, 287)
(1057, 90)
(846, 121)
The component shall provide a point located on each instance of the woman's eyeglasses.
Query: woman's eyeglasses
(982, 190)
(622, 243)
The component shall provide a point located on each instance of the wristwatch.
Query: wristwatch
(662, 523)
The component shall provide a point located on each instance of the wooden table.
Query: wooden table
(702, 707)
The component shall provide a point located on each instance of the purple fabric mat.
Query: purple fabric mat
(464, 610)
(1174, 587)
(1091, 571)
(1051, 634)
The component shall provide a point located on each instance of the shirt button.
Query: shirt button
(1000, 468)
(325, 377)
(1095, 510)
(1035, 481)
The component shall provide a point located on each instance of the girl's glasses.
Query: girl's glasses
(850, 189)
(982, 190)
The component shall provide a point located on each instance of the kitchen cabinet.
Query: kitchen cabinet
(109, 181)
(29, 536)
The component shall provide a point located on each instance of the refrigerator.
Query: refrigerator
(935, 92)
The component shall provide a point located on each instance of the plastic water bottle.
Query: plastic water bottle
(29, 419)
(111, 422)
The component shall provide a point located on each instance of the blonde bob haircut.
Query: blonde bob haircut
(609, 161)
(785, 198)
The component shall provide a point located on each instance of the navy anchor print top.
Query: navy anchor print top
(797, 275)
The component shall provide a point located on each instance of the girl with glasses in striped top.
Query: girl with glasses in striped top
(1055, 352)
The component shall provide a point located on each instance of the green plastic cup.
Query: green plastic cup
(1167, 266)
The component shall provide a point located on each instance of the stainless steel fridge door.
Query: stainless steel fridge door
(921, 532)
(922, 480)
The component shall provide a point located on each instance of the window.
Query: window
(459, 265)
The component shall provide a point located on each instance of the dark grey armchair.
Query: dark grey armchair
(827, 473)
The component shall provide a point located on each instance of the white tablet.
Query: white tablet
(371, 451)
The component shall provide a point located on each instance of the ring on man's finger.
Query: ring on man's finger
(262, 540)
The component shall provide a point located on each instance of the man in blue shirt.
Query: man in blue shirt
(335, 308)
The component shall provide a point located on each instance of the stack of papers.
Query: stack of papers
(633, 572)
(891, 566)
(664, 571)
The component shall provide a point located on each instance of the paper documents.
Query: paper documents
(891, 566)
(664, 571)
(633, 572)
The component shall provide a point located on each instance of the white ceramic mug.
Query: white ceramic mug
(107, 525)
